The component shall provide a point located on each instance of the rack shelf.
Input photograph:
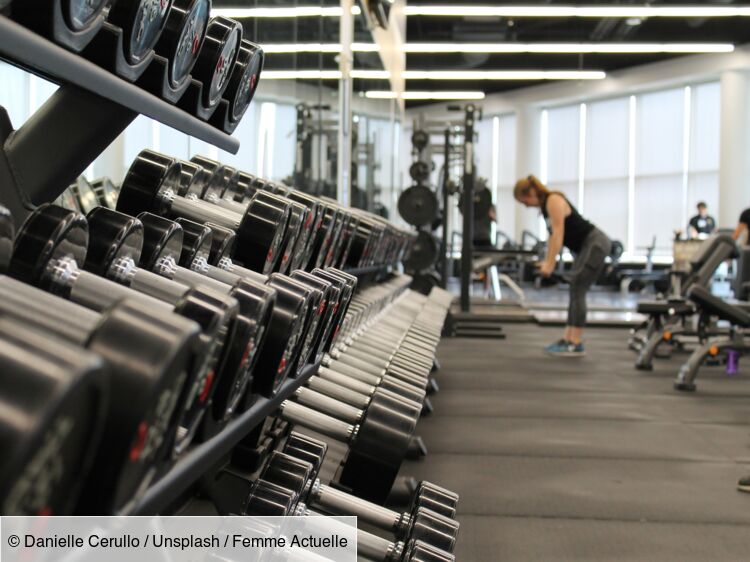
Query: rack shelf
(202, 457)
(25, 48)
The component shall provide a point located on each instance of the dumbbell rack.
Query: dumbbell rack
(91, 108)
(202, 457)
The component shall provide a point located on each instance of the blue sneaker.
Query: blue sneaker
(563, 348)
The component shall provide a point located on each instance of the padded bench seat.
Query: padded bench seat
(719, 308)
(665, 307)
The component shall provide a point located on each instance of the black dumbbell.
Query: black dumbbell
(243, 82)
(197, 242)
(120, 243)
(426, 494)
(377, 445)
(182, 38)
(214, 189)
(72, 23)
(151, 185)
(266, 499)
(300, 475)
(48, 252)
(215, 62)
(137, 430)
(142, 23)
(53, 397)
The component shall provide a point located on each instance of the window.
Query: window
(504, 173)
(606, 171)
(640, 163)
(703, 168)
(563, 130)
(659, 164)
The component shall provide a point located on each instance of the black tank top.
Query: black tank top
(577, 228)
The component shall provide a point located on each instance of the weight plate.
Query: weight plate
(80, 14)
(222, 243)
(141, 22)
(287, 471)
(420, 139)
(196, 242)
(193, 179)
(106, 192)
(53, 396)
(424, 252)
(261, 235)
(244, 79)
(418, 205)
(48, 234)
(85, 193)
(162, 238)
(112, 235)
(7, 235)
(307, 449)
(217, 57)
(419, 171)
(182, 37)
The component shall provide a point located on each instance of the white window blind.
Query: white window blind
(606, 166)
(563, 150)
(659, 165)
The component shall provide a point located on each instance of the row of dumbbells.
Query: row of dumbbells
(371, 392)
(182, 352)
(194, 368)
(273, 227)
(290, 484)
(172, 48)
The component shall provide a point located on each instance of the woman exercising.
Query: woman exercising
(589, 245)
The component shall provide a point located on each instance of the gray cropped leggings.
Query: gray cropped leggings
(587, 266)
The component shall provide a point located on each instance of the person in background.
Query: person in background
(743, 227)
(702, 224)
(589, 245)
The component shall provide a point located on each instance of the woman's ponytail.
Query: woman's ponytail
(524, 186)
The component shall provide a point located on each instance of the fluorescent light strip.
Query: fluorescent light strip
(572, 48)
(510, 48)
(439, 74)
(270, 12)
(580, 11)
(286, 48)
(323, 74)
(504, 75)
(387, 95)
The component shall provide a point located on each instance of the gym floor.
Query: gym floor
(587, 459)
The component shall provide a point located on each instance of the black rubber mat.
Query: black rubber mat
(586, 540)
(587, 459)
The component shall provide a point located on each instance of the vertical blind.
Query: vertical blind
(674, 157)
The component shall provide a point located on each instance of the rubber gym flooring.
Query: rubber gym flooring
(587, 459)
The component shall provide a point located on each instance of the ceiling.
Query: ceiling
(426, 29)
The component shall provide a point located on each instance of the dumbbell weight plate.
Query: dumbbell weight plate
(244, 79)
(217, 57)
(7, 234)
(182, 37)
(137, 430)
(80, 14)
(310, 319)
(420, 139)
(54, 397)
(418, 205)
(141, 22)
(419, 171)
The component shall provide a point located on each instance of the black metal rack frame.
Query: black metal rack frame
(203, 457)
(89, 110)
